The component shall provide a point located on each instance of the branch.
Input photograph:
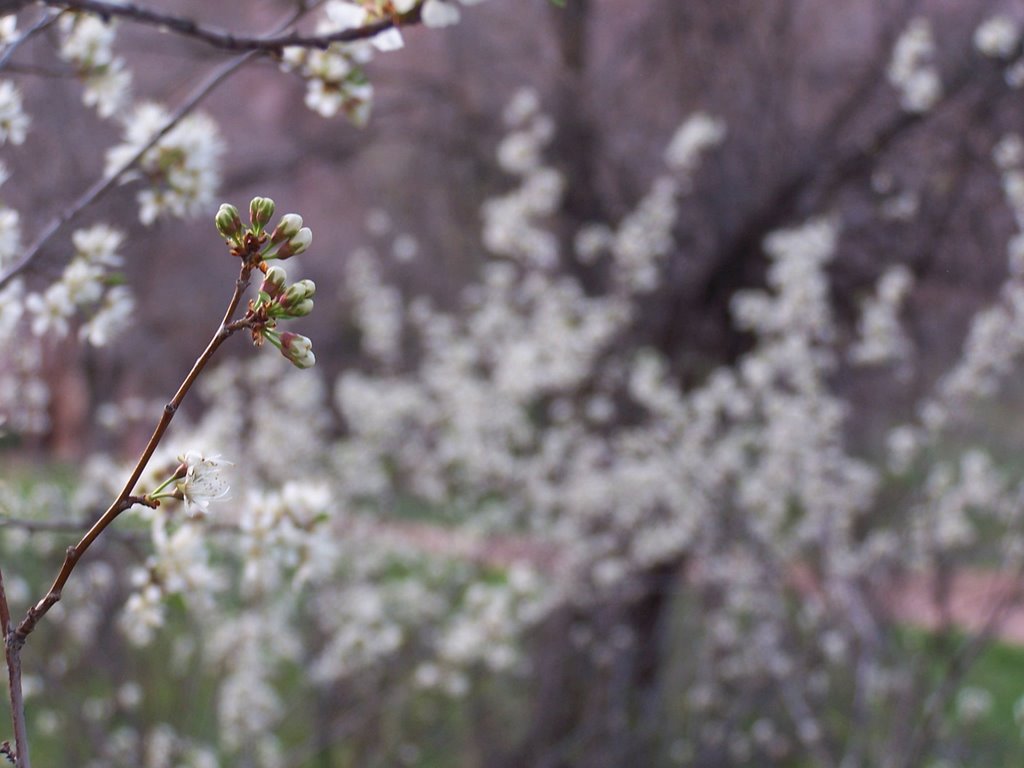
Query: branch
(41, 23)
(105, 184)
(229, 41)
(12, 652)
(125, 500)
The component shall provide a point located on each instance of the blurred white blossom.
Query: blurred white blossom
(997, 37)
(181, 172)
(912, 68)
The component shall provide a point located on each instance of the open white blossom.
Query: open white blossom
(99, 245)
(84, 287)
(113, 316)
(87, 46)
(182, 171)
(14, 122)
(335, 78)
(51, 311)
(335, 81)
(203, 482)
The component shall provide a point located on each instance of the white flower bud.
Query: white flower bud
(298, 349)
(287, 228)
(275, 281)
(298, 243)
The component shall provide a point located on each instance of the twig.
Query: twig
(124, 499)
(104, 184)
(12, 652)
(229, 41)
(42, 23)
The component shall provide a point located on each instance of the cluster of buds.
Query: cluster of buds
(253, 243)
(277, 300)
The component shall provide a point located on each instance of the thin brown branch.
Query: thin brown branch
(124, 499)
(229, 41)
(12, 653)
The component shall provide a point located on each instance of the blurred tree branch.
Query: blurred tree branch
(229, 41)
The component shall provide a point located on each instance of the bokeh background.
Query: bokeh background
(815, 128)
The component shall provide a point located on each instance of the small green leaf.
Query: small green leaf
(559, 3)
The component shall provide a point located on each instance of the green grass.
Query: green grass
(994, 740)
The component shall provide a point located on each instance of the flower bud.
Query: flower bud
(298, 243)
(298, 349)
(300, 291)
(274, 282)
(261, 210)
(286, 228)
(228, 222)
(300, 309)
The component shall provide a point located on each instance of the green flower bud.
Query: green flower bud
(228, 222)
(300, 291)
(261, 210)
(300, 309)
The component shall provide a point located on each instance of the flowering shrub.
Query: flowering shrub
(506, 508)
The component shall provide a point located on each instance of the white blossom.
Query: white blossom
(997, 37)
(697, 134)
(112, 317)
(8, 28)
(87, 45)
(440, 13)
(182, 170)
(51, 310)
(99, 245)
(912, 70)
(203, 481)
(880, 336)
(14, 122)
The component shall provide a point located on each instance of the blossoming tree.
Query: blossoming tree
(520, 528)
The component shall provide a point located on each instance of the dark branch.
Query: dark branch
(41, 23)
(105, 184)
(12, 654)
(229, 41)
